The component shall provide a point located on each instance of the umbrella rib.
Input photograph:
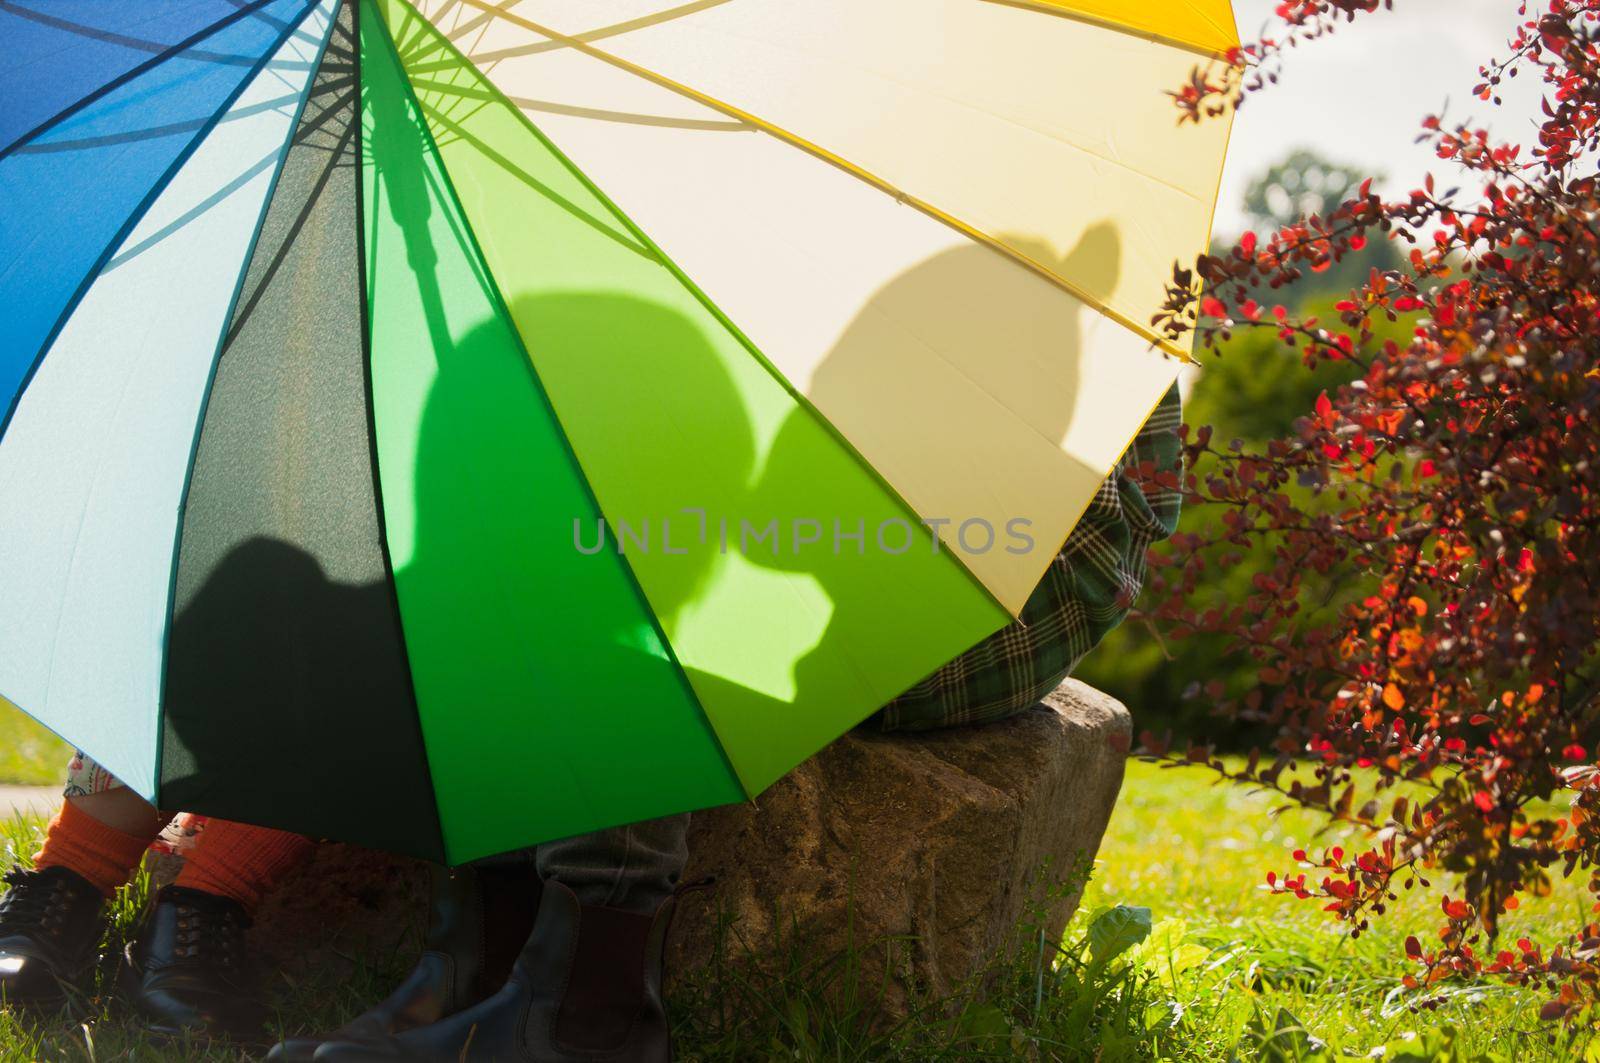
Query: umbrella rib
(315, 126)
(133, 136)
(597, 34)
(544, 190)
(523, 103)
(861, 173)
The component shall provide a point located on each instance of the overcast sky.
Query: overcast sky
(1358, 95)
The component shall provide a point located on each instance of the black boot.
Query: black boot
(187, 971)
(587, 987)
(49, 926)
(475, 922)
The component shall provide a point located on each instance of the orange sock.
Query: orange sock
(78, 842)
(241, 862)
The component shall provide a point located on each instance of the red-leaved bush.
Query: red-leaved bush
(1425, 634)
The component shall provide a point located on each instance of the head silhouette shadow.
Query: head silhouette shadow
(606, 336)
(990, 324)
(988, 317)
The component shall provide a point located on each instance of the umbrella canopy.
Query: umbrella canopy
(454, 425)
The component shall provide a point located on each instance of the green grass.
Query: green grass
(1213, 967)
(1197, 853)
(29, 754)
(1227, 972)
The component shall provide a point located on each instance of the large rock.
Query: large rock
(944, 842)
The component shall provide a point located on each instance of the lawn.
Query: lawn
(28, 753)
(1197, 853)
(1225, 965)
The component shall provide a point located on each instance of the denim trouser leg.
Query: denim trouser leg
(633, 868)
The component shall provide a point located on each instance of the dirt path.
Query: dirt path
(37, 799)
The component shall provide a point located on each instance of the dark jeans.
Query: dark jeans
(633, 868)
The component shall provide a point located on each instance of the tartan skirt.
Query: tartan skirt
(1087, 590)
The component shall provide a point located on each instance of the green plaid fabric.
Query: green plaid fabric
(1088, 589)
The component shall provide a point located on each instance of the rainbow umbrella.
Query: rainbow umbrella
(454, 425)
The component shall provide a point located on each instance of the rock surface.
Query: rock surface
(947, 841)
(944, 841)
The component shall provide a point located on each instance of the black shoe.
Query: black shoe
(188, 973)
(49, 926)
(587, 987)
(477, 920)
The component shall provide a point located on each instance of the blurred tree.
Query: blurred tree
(1303, 183)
